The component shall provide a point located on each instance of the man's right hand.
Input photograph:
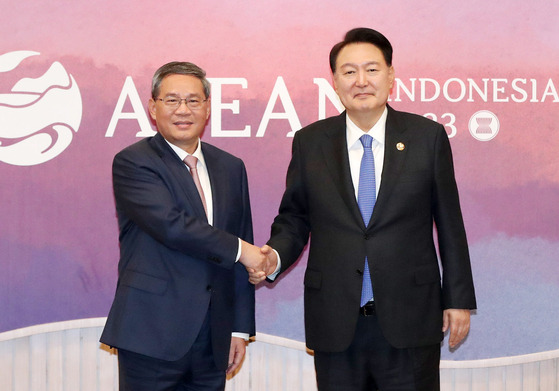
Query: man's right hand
(256, 277)
(259, 262)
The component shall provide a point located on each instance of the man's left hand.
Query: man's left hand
(236, 353)
(459, 323)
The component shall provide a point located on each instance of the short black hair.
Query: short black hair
(179, 68)
(362, 35)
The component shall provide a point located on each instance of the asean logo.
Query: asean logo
(38, 117)
(484, 125)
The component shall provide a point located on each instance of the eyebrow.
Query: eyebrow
(188, 96)
(352, 64)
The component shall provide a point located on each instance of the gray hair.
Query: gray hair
(179, 68)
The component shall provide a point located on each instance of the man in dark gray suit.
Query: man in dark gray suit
(367, 187)
(185, 227)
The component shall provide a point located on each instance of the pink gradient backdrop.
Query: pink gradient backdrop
(58, 231)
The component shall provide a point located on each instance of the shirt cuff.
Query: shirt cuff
(238, 252)
(273, 276)
(244, 336)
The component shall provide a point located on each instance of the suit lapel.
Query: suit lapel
(217, 175)
(337, 162)
(395, 151)
(179, 173)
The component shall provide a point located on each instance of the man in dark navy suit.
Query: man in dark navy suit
(183, 307)
(367, 187)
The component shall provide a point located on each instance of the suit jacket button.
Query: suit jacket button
(209, 288)
(367, 237)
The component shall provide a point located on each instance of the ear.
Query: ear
(335, 82)
(391, 74)
(151, 107)
(208, 108)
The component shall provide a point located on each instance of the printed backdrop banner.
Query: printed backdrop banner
(74, 84)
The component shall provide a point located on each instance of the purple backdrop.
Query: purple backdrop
(486, 71)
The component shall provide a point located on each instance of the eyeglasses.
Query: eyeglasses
(174, 102)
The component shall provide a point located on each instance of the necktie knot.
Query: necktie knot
(366, 141)
(191, 161)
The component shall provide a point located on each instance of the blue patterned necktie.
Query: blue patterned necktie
(366, 197)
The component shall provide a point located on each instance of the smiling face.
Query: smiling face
(181, 126)
(363, 81)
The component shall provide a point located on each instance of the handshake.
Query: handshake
(259, 262)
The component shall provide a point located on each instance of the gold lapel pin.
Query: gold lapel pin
(400, 146)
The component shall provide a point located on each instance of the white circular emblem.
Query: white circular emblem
(38, 117)
(484, 125)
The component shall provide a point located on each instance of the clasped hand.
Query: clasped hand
(259, 262)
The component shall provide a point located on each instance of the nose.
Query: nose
(361, 78)
(183, 107)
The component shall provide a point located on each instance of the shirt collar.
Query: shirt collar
(182, 154)
(377, 132)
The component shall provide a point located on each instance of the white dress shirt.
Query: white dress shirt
(355, 149)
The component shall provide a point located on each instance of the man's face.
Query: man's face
(181, 126)
(362, 79)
